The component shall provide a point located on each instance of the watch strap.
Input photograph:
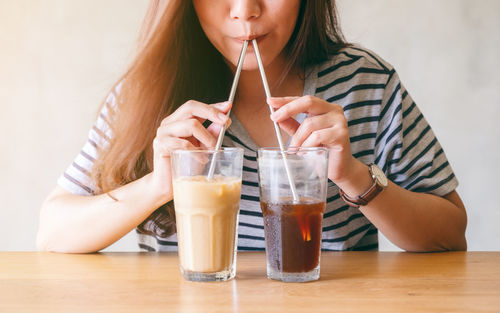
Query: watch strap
(365, 197)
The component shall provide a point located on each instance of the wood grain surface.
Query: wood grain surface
(350, 282)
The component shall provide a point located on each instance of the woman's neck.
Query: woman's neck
(250, 107)
(251, 89)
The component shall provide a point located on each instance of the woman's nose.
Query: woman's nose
(245, 10)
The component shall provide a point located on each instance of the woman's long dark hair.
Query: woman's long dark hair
(176, 63)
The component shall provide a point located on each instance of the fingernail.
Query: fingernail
(222, 117)
(222, 105)
(271, 100)
(275, 116)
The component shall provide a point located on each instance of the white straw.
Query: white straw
(231, 99)
(276, 127)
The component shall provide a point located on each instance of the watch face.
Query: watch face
(379, 175)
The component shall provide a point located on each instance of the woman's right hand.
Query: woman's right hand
(183, 129)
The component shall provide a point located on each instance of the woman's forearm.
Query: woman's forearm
(413, 221)
(80, 224)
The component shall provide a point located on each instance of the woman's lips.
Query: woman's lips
(241, 39)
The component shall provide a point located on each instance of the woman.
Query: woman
(326, 93)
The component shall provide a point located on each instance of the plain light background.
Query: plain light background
(59, 58)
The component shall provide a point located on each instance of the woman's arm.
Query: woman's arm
(413, 221)
(81, 224)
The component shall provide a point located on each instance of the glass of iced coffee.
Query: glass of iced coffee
(292, 222)
(206, 210)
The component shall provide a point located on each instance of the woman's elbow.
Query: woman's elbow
(47, 243)
(460, 243)
(42, 236)
(53, 236)
(42, 242)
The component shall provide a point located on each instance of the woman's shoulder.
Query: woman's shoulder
(351, 71)
(354, 57)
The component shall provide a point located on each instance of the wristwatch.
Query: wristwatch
(380, 182)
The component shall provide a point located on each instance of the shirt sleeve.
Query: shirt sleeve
(76, 179)
(406, 148)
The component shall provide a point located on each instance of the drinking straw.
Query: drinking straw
(276, 127)
(232, 93)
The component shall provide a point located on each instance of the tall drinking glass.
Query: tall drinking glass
(292, 228)
(206, 211)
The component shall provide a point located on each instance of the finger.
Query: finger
(195, 142)
(278, 102)
(201, 111)
(222, 106)
(306, 104)
(164, 146)
(186, 129)
(308, 126)
(317, 137)
(336, 138)
(214, 129)
(290, 126)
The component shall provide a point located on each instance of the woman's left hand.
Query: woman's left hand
(325, 126)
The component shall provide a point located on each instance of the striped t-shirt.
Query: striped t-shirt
(385, 127)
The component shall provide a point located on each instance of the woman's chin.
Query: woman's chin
(250, 65)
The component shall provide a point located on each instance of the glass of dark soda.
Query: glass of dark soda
(293, 222)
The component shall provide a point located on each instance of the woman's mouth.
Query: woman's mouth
(241, 39)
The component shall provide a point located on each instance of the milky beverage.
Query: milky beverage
(206, 217)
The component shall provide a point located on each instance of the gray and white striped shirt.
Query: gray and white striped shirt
(385, 127)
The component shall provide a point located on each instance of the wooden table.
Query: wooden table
(350, 282)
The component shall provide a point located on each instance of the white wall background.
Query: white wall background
(58, 59)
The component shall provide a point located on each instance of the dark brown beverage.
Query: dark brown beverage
(293, 234)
